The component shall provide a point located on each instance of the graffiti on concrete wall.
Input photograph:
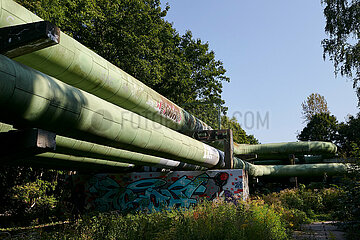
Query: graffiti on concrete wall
(156, 190)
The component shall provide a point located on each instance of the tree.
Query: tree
(133, 35)
(239, 135)
(349, 134)
(321, 127)
(314, 104)
(343, 45)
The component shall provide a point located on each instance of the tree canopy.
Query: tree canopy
(314, 104)
(325, 127)
(134, 36)
(239, 135)
(321, 127)
(343, 44)
(349, 133)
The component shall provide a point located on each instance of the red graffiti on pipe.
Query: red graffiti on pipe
(169, 110)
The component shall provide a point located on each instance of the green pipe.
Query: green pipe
(63, 162)
(76, 65)
(282, 150)
(31, 98)
(73, 63)
(75, 147)
(300, 160)
(253, 170)
(271, 162)
(70, 146)
(304, 170)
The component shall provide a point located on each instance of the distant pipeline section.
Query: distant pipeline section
(282, 150)
(303, 170)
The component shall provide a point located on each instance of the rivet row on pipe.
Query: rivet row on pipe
(87, 150)
(76, 65)
(31, 98)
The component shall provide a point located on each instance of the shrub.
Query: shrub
(298, 206)
(33, 201)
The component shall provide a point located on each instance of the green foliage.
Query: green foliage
(349, 134)
(28, 195)
(324, 127)
(34, 199)
(350, 199)
(343, 46)
(313, 105)
(321, 127)
(134, 36)
(303, 205)
(351, 185)
(239, 135)
(254, 220)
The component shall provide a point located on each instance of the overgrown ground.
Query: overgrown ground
(252, 220)
(271, 216)
(266, 216)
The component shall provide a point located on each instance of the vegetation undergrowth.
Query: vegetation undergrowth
(208, 220)
(271, 216)
(305, 205)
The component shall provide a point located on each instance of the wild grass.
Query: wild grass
(208, 220)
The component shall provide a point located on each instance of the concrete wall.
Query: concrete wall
(158, 190)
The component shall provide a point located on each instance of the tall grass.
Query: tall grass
(208, 220)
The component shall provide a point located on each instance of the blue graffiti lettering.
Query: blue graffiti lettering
(150, 193)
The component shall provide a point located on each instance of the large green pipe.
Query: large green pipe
(64, 161)
(282, 150)
(303, 170)
(31, 98)
(75, 147)
(253, 170)
(79, 148)
(76, 65)
(70, 61)
(302, 160)
(69, 162)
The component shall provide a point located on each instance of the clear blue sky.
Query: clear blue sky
(273, 55)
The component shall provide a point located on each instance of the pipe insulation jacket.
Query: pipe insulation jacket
(88, 151)
(76, 65)
(31, 98)
(70, 162)
(73, 63)
(282, 150)
(77, 162)
(303, 170)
